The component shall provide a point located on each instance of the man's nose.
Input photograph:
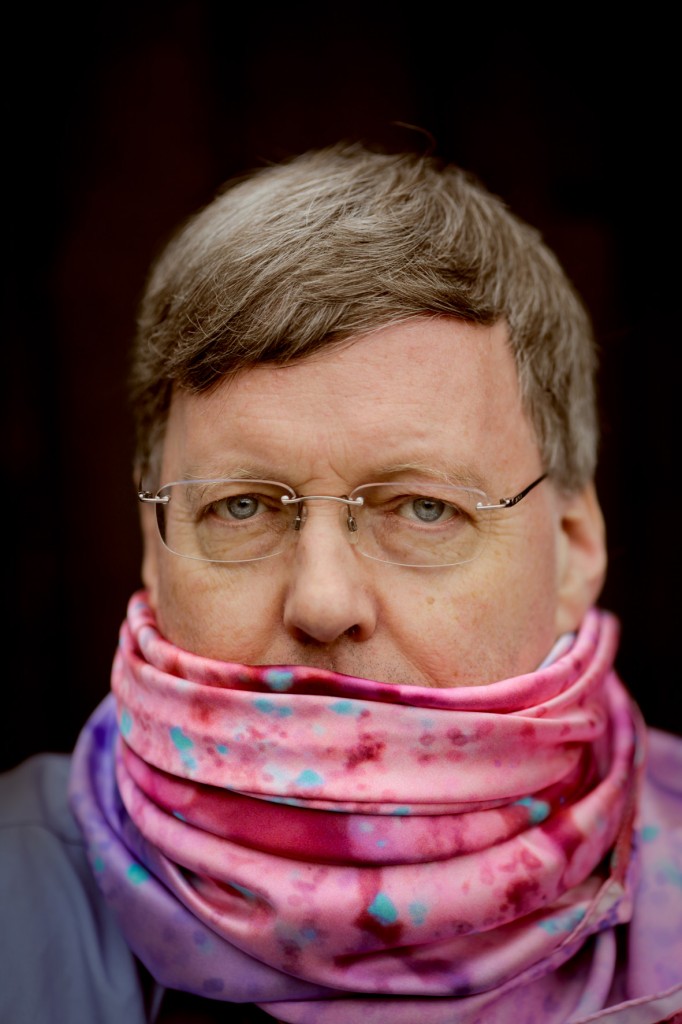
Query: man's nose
(328, 593)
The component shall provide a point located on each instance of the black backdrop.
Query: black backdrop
(123, 118)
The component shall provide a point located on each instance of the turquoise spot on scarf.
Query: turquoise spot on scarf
(180, 817)
(126, 722)
(300, 938)
(401, 811)
(202, 941)
(418, 912)
(669, 872)
(346, 707)
(563, 922)
(243, 890)
(183, 744)
(303, 938)
(221, 748)
(538, 809)
(268, 708)
(181, 741)
(309, 778)
(137, 874)
(649, 832)
(383, 908)
(279, 680)
(98, 864)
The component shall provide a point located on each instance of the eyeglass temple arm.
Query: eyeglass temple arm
(508, 502)
(152, 499)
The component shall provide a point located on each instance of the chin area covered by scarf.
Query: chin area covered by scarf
(336, 849)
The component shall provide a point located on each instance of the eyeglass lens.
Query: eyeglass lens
(405, 523)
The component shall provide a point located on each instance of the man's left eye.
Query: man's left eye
(426, 510)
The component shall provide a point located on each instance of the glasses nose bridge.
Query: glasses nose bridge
(347, 504)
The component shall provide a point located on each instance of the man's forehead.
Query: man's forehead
(436, 394)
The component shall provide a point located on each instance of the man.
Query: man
(365, 757)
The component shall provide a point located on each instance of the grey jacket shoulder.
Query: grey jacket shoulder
(62, 956)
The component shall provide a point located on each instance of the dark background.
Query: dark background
(123, 118)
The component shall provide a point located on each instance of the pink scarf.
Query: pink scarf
(337, 849)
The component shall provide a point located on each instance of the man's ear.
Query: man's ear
(582, 558)
(150, 550)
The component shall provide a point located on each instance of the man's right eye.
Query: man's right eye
(237, 506)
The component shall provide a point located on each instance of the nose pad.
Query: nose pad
(352, 524)
(349, 514)
(327, 595)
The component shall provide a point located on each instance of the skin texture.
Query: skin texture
(434, 392)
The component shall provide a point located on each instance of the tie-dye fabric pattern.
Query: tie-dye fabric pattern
(335, 848)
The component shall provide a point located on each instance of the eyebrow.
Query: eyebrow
(219, 471)
(457, 473)
(447, 472)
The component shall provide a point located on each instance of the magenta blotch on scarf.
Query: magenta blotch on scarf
(337, 849)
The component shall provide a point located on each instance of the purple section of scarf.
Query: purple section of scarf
(327, 846)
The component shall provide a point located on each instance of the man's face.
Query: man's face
(432, 393)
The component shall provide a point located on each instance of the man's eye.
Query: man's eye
(426, 510)
(238, 506)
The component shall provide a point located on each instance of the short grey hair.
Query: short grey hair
(340, 241)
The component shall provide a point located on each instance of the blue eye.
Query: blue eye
(238, 506)
(426, 510)
(243, 506)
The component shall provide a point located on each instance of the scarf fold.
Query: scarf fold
(327, 846)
